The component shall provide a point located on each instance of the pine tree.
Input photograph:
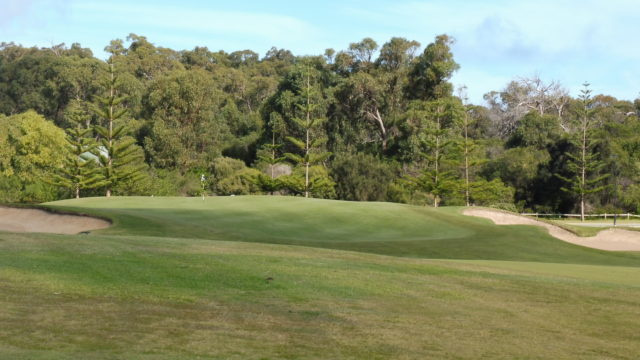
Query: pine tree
(116, 155)
(468, 147)
(271, 157)
(80, 170)
(309, 146)
(438, 144)
(584, 164)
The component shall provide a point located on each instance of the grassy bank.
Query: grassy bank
(181, 284)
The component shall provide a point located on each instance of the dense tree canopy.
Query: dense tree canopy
(383, 124)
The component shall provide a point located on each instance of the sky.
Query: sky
(570, 41)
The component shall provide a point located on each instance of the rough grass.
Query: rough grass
(163, 285)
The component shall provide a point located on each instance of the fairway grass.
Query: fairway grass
(105, 297)
(291, 278)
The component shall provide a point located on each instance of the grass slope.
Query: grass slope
(381, 228)
(162, 284)
(115, 297)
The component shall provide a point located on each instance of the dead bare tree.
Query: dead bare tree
(522, 96)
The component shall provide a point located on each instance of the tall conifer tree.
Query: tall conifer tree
(116, 155)
(584, 162)
(80, 170)
(309, 146)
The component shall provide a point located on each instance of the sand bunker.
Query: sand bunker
(32, 220)
(610, 239)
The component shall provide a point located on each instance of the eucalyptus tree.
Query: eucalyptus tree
(525, 95)
(361, 103)
(362, 52)
(186, 128)
(431, 71)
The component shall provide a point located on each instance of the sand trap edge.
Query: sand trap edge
(42, 219)
(610, 239)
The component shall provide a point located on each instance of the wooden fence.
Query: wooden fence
(604, 216)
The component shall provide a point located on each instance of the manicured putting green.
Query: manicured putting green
(381, 228)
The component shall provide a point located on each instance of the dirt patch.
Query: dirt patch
(610, 239)
(33, 220)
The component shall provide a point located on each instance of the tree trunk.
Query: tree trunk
(383, 131)
(77, 192)
(109, 154)
(436, 179)
(307, 150)
(466, 157)
(583, 179)
(306, 181)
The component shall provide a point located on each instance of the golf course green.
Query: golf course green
(260, 277)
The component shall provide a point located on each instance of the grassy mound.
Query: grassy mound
(381, 228)
(171, 280)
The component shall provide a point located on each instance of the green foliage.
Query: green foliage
(80, 170)
(233, 177)
(32, 149)
(404, 191)
(362, 177)
(428, 78)
(320, 184)
(437, 121)
(45, 80)
(309, 145)
(186, 131)
(491, 193)
(118, 156)
(538, 131)
(188, 108)
(242, 182)
(518, 168)
(583, 162)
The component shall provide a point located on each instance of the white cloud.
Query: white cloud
(565, 40)
(23, 13)
(548, 27)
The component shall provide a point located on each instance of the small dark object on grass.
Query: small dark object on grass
(84, 232)
(269, 279)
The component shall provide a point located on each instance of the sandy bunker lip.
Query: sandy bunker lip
(611, 239)
(34, 220)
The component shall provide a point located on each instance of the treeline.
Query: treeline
(371, 123)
